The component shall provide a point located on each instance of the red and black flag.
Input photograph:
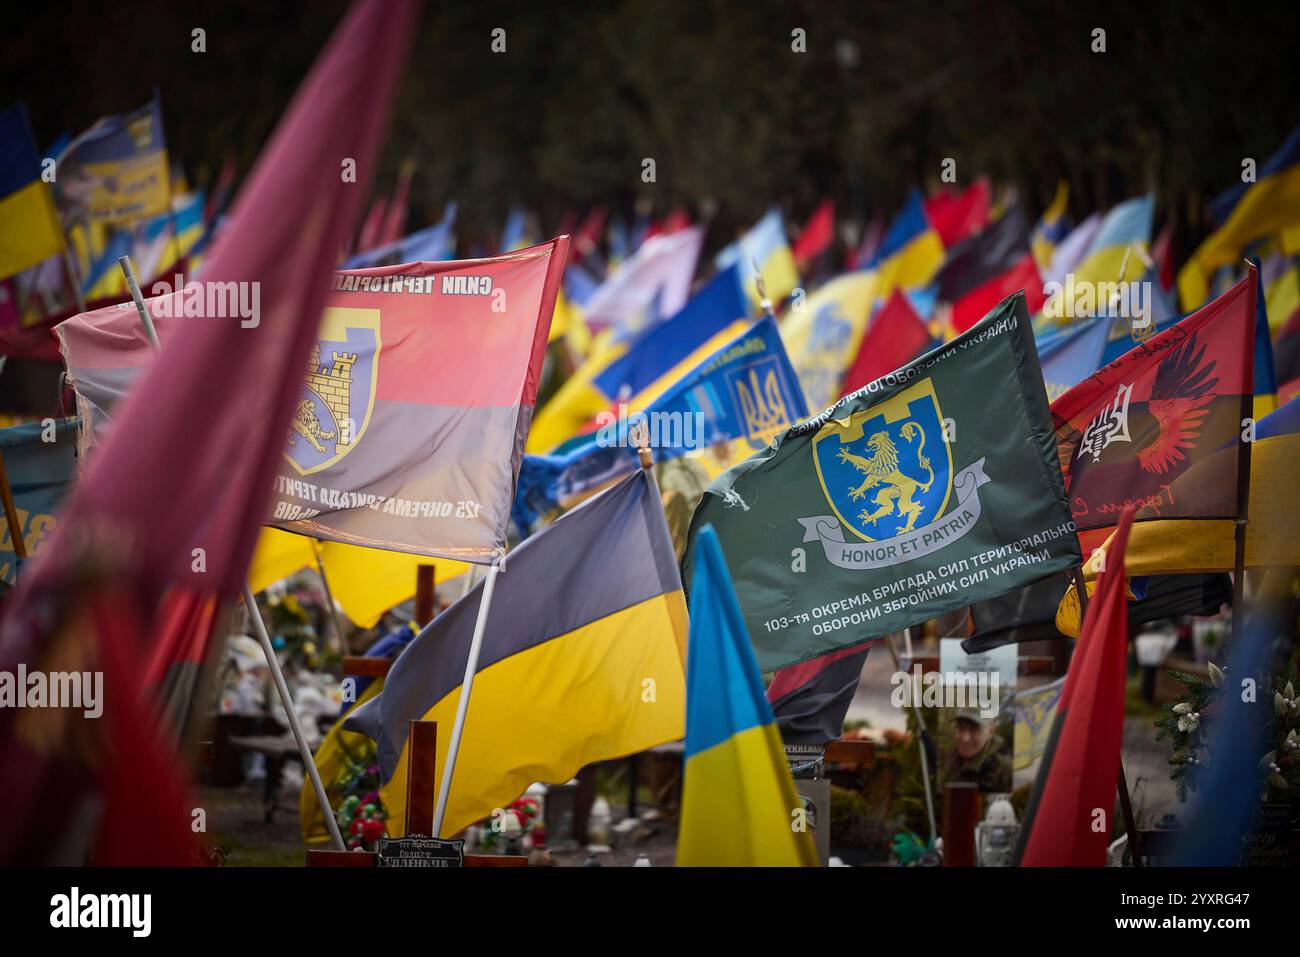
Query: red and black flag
(1128, 432)
(1080, 768)
(984, 269)
(809, 700)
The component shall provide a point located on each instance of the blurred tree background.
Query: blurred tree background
(714, 93)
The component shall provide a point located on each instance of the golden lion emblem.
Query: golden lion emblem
(306, 424)
(881, 469)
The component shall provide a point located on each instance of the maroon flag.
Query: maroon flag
(1067, 822)
(175, 498)
(895, 337)
(1131, 429)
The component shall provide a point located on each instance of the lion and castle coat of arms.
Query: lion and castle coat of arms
(338, 392)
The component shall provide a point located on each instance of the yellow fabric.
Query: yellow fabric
(820, 365)
(365, 582)
(1269, 207)
(739, 806)
(1040, 245)
(29, 228)
(277, 556)
(912, 266)
(332, 763)
(1282, 299)
(545, 713)
(1184, 547)
(576, 402)
(699, 354)
(780, 275)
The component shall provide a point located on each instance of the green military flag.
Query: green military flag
(929, 489)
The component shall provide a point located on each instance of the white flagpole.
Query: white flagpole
(309, 763)
(462, 705)
(282, 687)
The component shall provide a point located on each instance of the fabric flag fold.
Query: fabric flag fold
(934, 486)
(895, 337)
(581, 661)
(1081, 758)
(739, 804)
(29, 225)
(172, 503)
(764, 246)
(1131, 432)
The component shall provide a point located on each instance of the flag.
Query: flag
(739, 804)
(730, 404)
(29, 225)
(809, 700)
(431, 244)
(1074, 356)
(40, 473)
(1124, 232)
(765, 247)
(656, 357)
(373, 227)
(1069, 252)
(932, 487)
(1033, 711)
(911, 252)
(365, 582)
(955, 215)
(653, 284)
(983, 256)
(1169, 544)
(663, 353)
(817, 234)
(117, 171)
(395, 219)
(385, 402)
(823, 333)
(1270, 206)
(895, 337)
(188, 477)
(1128, 432)
(1049, 608)
(1081, 758)
(581, 661)
(1052, 227)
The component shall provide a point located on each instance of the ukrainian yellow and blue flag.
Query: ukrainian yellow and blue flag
(739, 804)
(581, 661)
(642, 368)
(29, 225)
(1269, 207)
(767, 246)
(1053, 226)
(911, 252)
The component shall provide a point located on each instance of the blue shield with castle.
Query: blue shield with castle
(338, 394)
(887, 470)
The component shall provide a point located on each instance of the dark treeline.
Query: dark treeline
(713, 92)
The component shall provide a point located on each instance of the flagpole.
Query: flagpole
(329, 595)
(764, 303)
(1121, 785)
(920, 739)
(11, 517)
(272, 662)
(327, 811)
(467, 685)
(1243, 479)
